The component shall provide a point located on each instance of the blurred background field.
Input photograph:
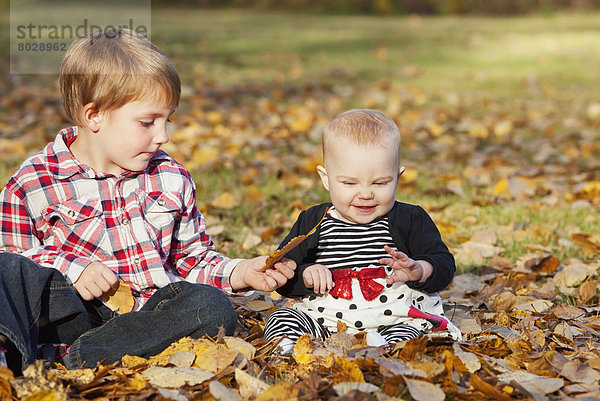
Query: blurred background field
(499, 112)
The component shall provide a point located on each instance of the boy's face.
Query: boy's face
(361, 180)
(129, 136)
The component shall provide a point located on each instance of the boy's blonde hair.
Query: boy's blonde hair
(363, 127)
(112, 67)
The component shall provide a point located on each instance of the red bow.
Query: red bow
(369, 288)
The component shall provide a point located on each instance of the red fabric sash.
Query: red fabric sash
(438, 322)
(369, 288)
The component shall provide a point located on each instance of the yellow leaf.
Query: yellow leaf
(44, 395)
(591, 190)
(253, 194)
(501, 187)
(185, 344)
(409, 176)
(5, 390)
(303, 350)
(121, 299)
(479, 131)
(434, 128)
(214, 117)
(280, 391)
(203, 156)
(446, 228)
(130, 361)
(503, 128)
(225, 201)
(348, 372)
(215, 359)
(137, 382)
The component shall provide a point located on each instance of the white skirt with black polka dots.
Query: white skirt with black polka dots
(390, 307)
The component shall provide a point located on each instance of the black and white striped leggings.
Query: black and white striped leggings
(293, 324)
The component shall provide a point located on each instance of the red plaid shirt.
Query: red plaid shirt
(144, 225)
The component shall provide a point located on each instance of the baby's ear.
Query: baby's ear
(324, 178)
(91, 117)
(401, 171)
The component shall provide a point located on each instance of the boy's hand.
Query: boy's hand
(248, 273)
(319, 278)
(405, 268)
(96, 280)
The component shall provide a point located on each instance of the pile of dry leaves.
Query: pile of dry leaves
(519, 343)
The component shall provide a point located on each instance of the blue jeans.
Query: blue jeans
(38, 305)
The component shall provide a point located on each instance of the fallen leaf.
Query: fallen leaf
(120, 299)
(424, 391)
(345, 387)
(587, 290)
(489, 391)
(283, 391)
(225, 201)
(579, 372)
(589, 247)
(176, 377)
(249, 386)
(183, 359)
(294, 242)
(222, 392)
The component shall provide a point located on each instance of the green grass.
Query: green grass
(490, 56)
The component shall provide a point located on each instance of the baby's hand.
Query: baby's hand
(405, 268)
(96, 280)
(249, 273)
(319, 278)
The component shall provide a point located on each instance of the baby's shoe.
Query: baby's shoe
(374, 339)
(285, 346)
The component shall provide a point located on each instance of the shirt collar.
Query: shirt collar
(64, 165)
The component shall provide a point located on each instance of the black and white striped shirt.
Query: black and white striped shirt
(346, 245)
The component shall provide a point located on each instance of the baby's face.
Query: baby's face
(361, 180)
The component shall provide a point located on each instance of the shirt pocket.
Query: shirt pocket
(77, 227)
(161, 211)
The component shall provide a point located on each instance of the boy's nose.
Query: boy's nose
(161, 136)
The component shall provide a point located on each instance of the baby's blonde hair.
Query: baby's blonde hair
(112, 67)
(363, 127)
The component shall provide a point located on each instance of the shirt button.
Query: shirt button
(71, 213)
(136, 261)
(161, 202)
(125, 221)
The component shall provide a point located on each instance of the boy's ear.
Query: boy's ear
(91, 117)
(323, 174)
(401, 171)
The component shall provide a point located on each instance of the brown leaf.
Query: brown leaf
(545, 265)
(489, 391)
(567, 312)
(294, 242)
(424, 391)
(587, 290)
(589, 247)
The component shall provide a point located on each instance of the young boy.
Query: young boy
(373, 263)
(103, 204)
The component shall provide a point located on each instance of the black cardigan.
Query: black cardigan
(412, 230)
